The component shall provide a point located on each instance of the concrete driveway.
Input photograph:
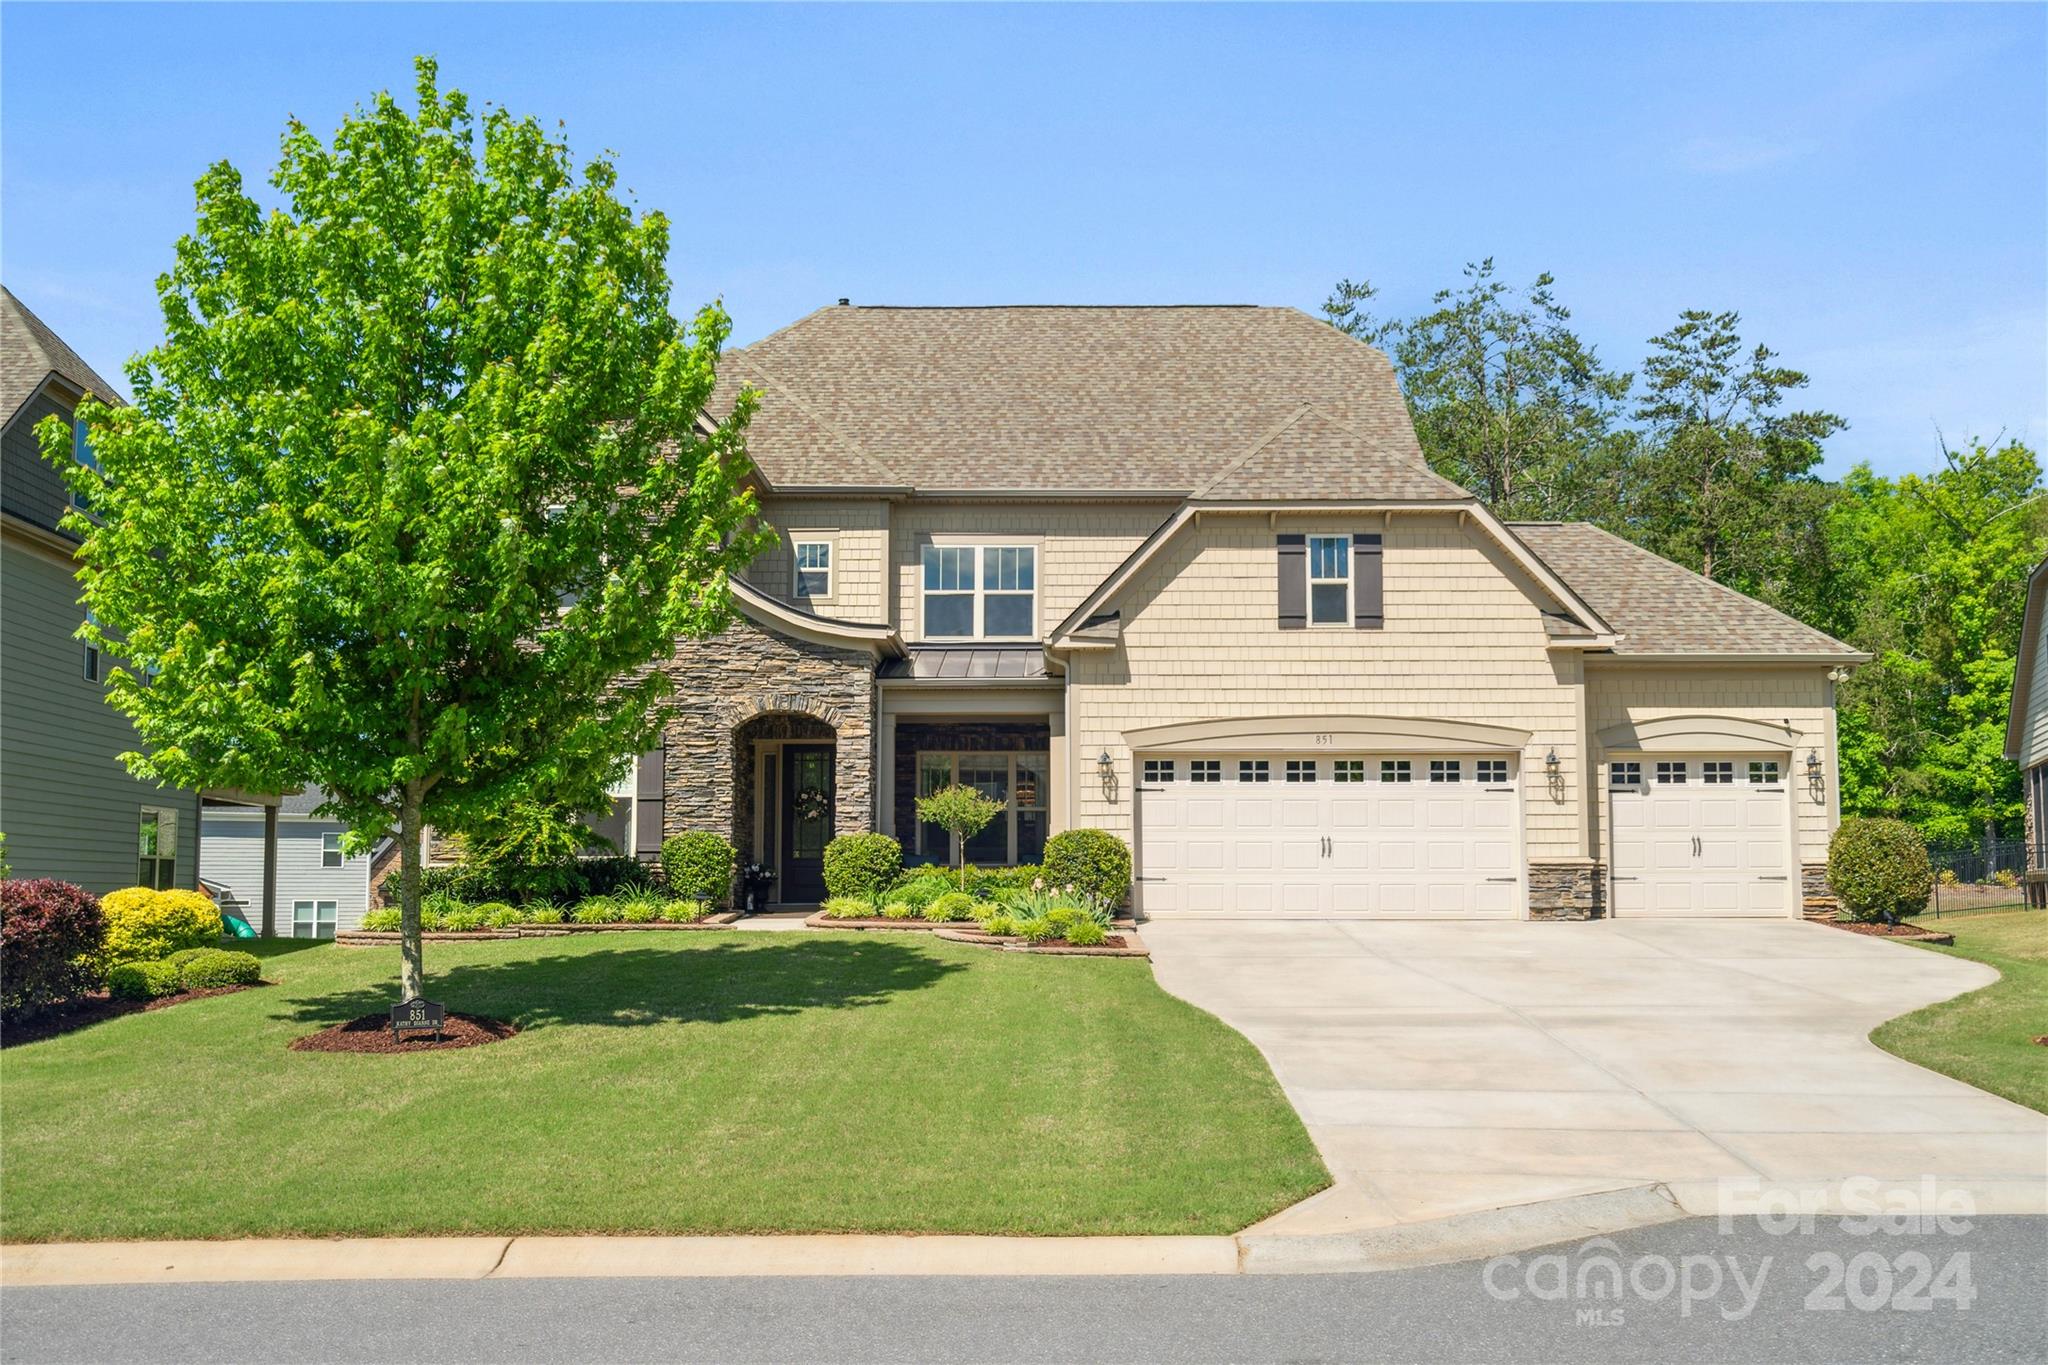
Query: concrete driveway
(1449, 1067)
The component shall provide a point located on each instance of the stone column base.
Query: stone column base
(1567, 889)
(1817, 898)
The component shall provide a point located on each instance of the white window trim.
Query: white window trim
(797, 542)
(166, 837)
(333, 916)
(1309, 567)
(340, 857)
(980, 545)
(1010, 806)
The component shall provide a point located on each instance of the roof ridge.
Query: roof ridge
(853, 447)
(1260, 444)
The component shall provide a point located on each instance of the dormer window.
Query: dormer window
(980, 592)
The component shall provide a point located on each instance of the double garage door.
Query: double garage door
(1427, 835)
(1704, 836)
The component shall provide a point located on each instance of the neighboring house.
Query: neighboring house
(1184, 574)
(320, 889)
(2026, 733)
(67, 805)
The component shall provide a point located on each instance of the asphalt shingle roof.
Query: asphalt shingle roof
(1061, 399)
(1662, 608)
(30, 353)
(1313, 458)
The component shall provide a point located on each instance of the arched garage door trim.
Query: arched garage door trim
(1358, 734)
(1702, 733)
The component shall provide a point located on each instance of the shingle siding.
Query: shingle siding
(859, 531)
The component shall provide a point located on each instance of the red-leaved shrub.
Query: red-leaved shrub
(50, 938)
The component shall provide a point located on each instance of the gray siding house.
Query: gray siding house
(68, 807)
(320, 889)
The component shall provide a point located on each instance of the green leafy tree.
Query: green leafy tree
(1710, 484)
(962, 812)
(414, 488)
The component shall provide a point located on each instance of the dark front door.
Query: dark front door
(806, 821)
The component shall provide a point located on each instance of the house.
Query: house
(2026, 733)
(68, 807)
(320, 889)
(1183, 574)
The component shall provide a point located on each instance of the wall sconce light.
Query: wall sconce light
(1105, 767)
(1813, 770)
(1550, 763)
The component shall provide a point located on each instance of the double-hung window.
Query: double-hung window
(1020, 780)
(980, 592)
(330, 850)
(813, 568)
(1329, 580)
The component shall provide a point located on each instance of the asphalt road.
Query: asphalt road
(1688, 1292)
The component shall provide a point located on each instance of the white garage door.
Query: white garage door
(1278, 834)
(1700, 836)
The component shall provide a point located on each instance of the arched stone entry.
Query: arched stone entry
(748, 817)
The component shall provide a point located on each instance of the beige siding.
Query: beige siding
(1463, 641)
(1079, 546)
(2034, 730)
(859, 531)
(1797, 697)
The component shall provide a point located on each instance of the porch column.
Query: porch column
(1056, 762)
(885, 774)
(270, 870)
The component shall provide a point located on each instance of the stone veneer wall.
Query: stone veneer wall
(1817, 898)
(962, 737)
(1567, 890)
(774, 725)
(746, 672)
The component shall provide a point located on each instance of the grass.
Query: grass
(1986, 1037)
(672, 1083)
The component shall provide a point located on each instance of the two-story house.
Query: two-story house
(2026, 734)
(1184, 574)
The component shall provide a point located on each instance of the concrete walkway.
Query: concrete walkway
(1444, 1068)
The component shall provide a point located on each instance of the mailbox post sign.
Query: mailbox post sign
(417, 1016)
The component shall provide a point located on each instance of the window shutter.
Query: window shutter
(1293, 582)
(1368, 609)
(648, 798)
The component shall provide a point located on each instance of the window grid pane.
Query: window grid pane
(1717, 772)
(1205, 770)
(1493, 770)
(1625, 775)
(1396, 770)
(1254, 770)
(1445, 770)
(1763, 772)
(1159, 770)
(1671, 774)
(1301, 770)
(1348, 770)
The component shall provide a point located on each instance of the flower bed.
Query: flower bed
(363, 938)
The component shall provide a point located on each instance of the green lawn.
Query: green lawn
(1986, 1037)
(663, 1083)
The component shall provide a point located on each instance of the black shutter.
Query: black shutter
(648, 802)
(1293, 582)
(1368, 608)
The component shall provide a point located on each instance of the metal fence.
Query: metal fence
(1975, 868)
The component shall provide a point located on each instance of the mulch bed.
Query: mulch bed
(372, 1033)
(1909, 932)
(88, 1010)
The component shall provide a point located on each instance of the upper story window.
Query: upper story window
(813, 568)
(81, 451)
(330, 850)
(980, 592)
(92, 653)
(1329, 580)
(157, 849)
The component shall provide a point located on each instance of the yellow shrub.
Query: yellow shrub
(144, 925)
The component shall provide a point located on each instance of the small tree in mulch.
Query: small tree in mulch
(1879, 870)
(962, 812)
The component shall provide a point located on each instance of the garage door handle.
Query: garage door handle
(1503, 879)
(1618, 878)
(1779, 878)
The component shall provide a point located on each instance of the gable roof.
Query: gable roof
(30, 353)
(2023, 681)
(1058, 400)
(1312, 457)
(1662, 608)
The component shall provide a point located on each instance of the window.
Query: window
(813, 568)
(980, 592)
(81, 451)
(1717, 772)
(1301, 770)
(312, 919)
(1159, 770)
(1396, 770)
(1445, 770)
(157, 849)
(1671, 774)
(1763, 772)
(90, 666)
(1254, 770)
(1329, 580)
(1348, 770)
(1205, 770)
(330, 850)
(1493, 770)
(1021, 780)
(1624, 774)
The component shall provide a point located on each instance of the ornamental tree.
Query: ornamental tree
(415, 487)
(962, 812)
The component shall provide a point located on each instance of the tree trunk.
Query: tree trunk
(412, 971)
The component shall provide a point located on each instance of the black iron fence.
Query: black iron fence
(1962, 877)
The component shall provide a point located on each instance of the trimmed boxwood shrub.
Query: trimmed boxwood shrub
(144, 980)
(1092, 861)
(51, 935)
(145, 925)
(698, 866)
(1879, 869)
(210, 967)
(861, 865)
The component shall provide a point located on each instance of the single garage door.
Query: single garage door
(1413, 835)
(1700, 836)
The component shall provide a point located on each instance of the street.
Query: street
(1681, 1292)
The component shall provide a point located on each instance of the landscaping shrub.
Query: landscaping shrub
(898, 910)
(1086, 933)
(544, 913)
(684, 912)
(1094, 861)
(144, 925)
(921, 890)
(1000, 925)
(698, 866)
(498, 915)
(862, 865)
(847, 907)
(210, 967)
(951, 907)
(2005, 877)
(1041, 930)
(431, 920)
(384, 921)
(991, 883)
(574, 879)
(144, 980)
(464, 919)
(51, 939)
(1879, 870)
(598, 910)
(962, 812)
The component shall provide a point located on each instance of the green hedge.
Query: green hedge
(862, 865)
(1879, 869)
(698, 866)
(1092, 861)
(210, 967)
(144, 980)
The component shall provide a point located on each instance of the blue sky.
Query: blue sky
(1868, 185)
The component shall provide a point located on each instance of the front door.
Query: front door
(806, 822)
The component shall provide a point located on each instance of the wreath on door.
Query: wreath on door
(812, 804)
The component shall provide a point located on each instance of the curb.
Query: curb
(1464, 1236)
